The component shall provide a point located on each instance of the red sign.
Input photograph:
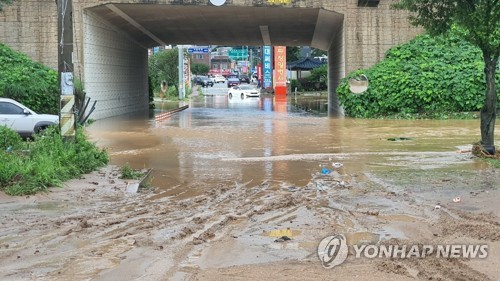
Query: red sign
(280, 69)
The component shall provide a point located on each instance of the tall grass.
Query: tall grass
(46, 161)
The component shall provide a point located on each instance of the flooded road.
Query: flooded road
(239, 193)
(267, 139)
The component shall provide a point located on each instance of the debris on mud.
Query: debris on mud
(107, 233)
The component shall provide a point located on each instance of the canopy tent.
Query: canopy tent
(306, 63)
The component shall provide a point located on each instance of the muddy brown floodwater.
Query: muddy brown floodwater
(238, 193)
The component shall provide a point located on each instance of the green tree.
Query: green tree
(199, 69)
(318, 52)
(292, 54)
(479, 21)
(164, 66)
(3, 3)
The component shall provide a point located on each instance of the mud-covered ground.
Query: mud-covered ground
(93, 229)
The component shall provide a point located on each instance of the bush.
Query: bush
(47, 161)
(128, 173)
(9, 139)
(426, 76)
(28, 82)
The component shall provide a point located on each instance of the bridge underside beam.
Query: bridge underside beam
(227, 25)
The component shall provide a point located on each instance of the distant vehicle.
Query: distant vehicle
(203, 81)
(232, 80)
(212, 78)
(244, 78)
(196, 80)
(23, 120)
(219, 79)
(243, 91)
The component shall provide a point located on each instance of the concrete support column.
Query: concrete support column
(336, 71)
(115, 69)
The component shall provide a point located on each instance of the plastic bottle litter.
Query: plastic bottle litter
(337, 165)
(325, 171)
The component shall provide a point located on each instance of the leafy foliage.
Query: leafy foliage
(28, 82)
(4, 2)
(318, 52)
(199, 69)
(292, 54)
(479, 22)
(425, 76)
(128, 173)
(49, 160)
(319, 74)
(10, 140)
(164, 66)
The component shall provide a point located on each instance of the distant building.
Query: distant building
(203, 58)
(220, 65)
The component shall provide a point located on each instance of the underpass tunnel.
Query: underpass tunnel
(116, 38)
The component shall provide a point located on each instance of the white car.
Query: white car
(23, 120)
(243, 91)
(219, 79)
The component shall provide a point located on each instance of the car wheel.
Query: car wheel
(230, 95)
(242, 96)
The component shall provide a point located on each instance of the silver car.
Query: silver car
(243, 91)
(23, 120)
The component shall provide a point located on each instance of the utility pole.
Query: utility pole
(67, 120)
(181, 71)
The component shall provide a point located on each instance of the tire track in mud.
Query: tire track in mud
(108, 233)
(449, 226)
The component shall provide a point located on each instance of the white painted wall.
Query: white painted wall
(115, 69)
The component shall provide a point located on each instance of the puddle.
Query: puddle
(294, 246)
(357, 238)
(398, 218)
(282, 232)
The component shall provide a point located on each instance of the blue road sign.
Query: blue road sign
(198, 50)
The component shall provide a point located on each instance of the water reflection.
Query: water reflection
(267, 139)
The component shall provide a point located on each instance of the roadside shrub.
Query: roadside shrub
(28, 82)
(47, 161)
(426, 76)
(9, 139)
(294, 83)
(128, 173)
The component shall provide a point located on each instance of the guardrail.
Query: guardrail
(167, 114)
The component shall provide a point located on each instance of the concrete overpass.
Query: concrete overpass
(111, 37)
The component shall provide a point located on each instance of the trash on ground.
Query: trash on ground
(337, 165)
(132, 187)
(399, 139)
(320, 186)
(325, 171)
(457, 199)
(282, 239)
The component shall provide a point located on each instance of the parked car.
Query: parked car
(203, 81)
(219, 79)
(243, 91)
(196, 80)
(232, 80)
(23, 120)
(244, 78)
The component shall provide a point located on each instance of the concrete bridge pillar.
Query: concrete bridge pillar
(336, 71)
